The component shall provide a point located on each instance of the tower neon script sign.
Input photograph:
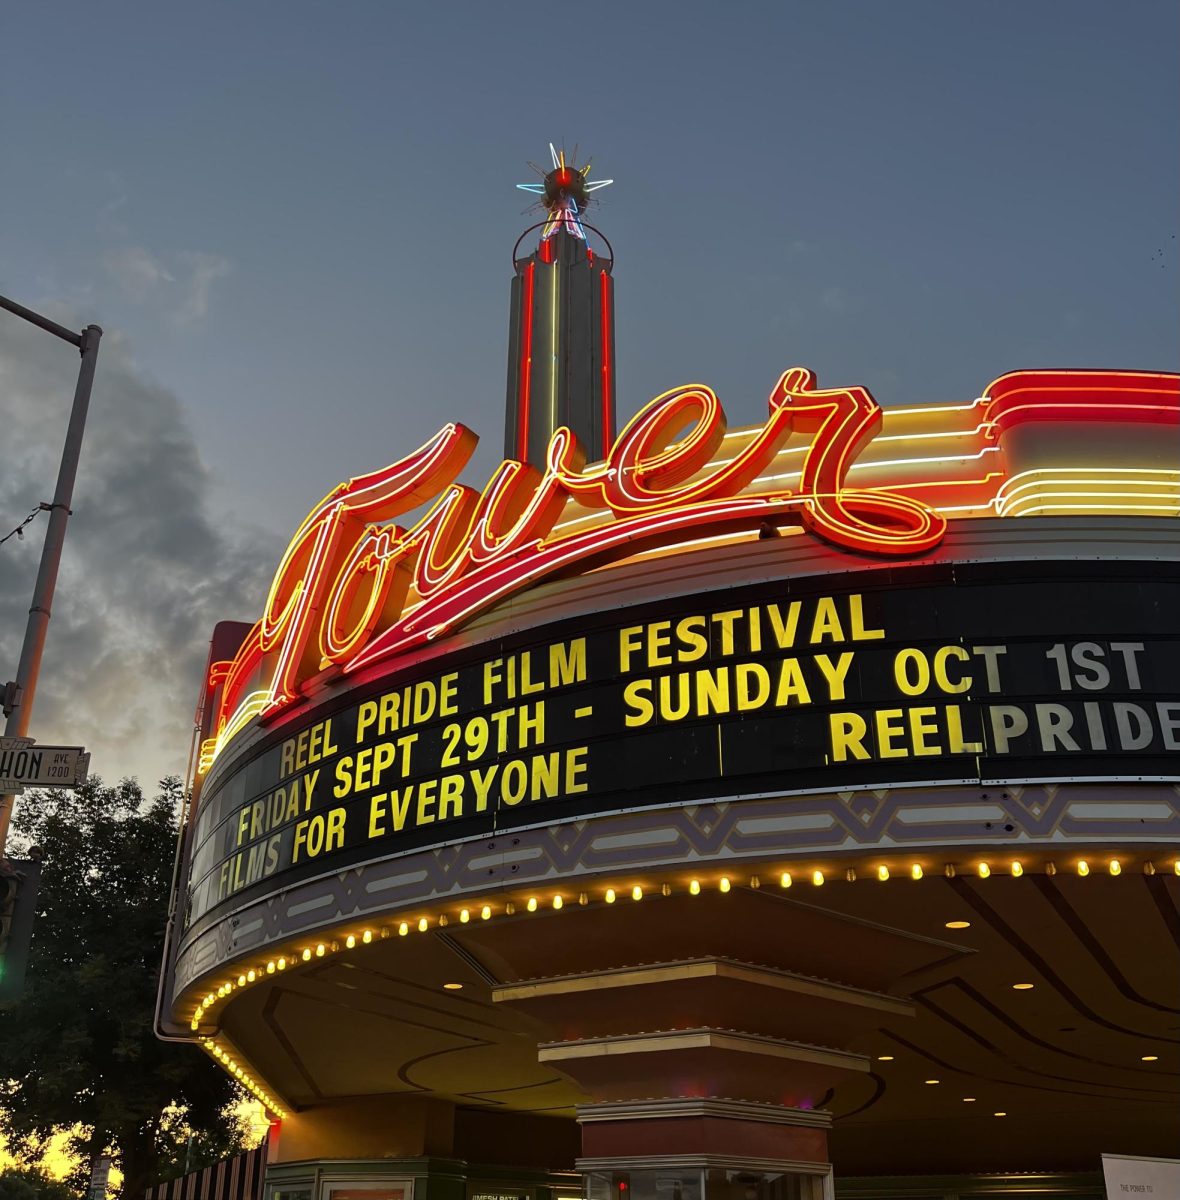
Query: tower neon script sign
(342, 593)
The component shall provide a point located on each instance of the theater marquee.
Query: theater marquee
(355, 590)
(970, 673)
(946, 671)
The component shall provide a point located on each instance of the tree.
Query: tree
(27, 1183)
(79, 1048)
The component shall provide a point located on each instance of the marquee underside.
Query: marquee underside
(1063, 1060)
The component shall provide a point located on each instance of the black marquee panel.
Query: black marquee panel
(955, 673)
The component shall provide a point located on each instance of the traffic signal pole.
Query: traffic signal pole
(19, 707)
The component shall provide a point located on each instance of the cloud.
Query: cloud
(181, 287)
(147, 570)
(107, 220)
(136, 271)
(204, 271)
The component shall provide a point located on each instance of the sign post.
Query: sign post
(18, 705)
(25, 764)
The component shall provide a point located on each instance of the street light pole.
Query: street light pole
(19, 706)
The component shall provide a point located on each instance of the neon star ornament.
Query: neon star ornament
(565, 192)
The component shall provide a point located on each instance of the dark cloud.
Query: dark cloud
(149, 566)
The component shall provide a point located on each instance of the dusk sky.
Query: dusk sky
(295, 223)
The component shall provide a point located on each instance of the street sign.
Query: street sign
(100, 1177)
(25, 764)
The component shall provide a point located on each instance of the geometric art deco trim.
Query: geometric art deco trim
(835, 825)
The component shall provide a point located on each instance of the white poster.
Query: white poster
(1127, 1177)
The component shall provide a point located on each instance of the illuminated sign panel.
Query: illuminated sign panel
(354, 589)
(951, 673)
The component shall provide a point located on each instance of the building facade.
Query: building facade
(772, 812)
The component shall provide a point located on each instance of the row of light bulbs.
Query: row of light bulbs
(243, 1077)
(983, 869)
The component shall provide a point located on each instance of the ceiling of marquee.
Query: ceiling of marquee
(1064, 1060)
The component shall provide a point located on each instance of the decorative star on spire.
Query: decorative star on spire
(564, 193)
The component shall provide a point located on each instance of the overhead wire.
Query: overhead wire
(18, 531)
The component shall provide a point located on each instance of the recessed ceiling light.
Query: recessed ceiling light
(452, 987)
(958, 924)
(1022, 987)
(932, 1081)
(999, 1114)
(1150, 1058)
(884, 1057)
(968, 1099)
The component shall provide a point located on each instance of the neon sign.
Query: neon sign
(355, 589)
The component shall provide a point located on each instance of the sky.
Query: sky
(295, 223)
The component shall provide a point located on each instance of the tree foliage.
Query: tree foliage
(79, 1048)
(28, 1183)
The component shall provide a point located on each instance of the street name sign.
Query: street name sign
(25, 764)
